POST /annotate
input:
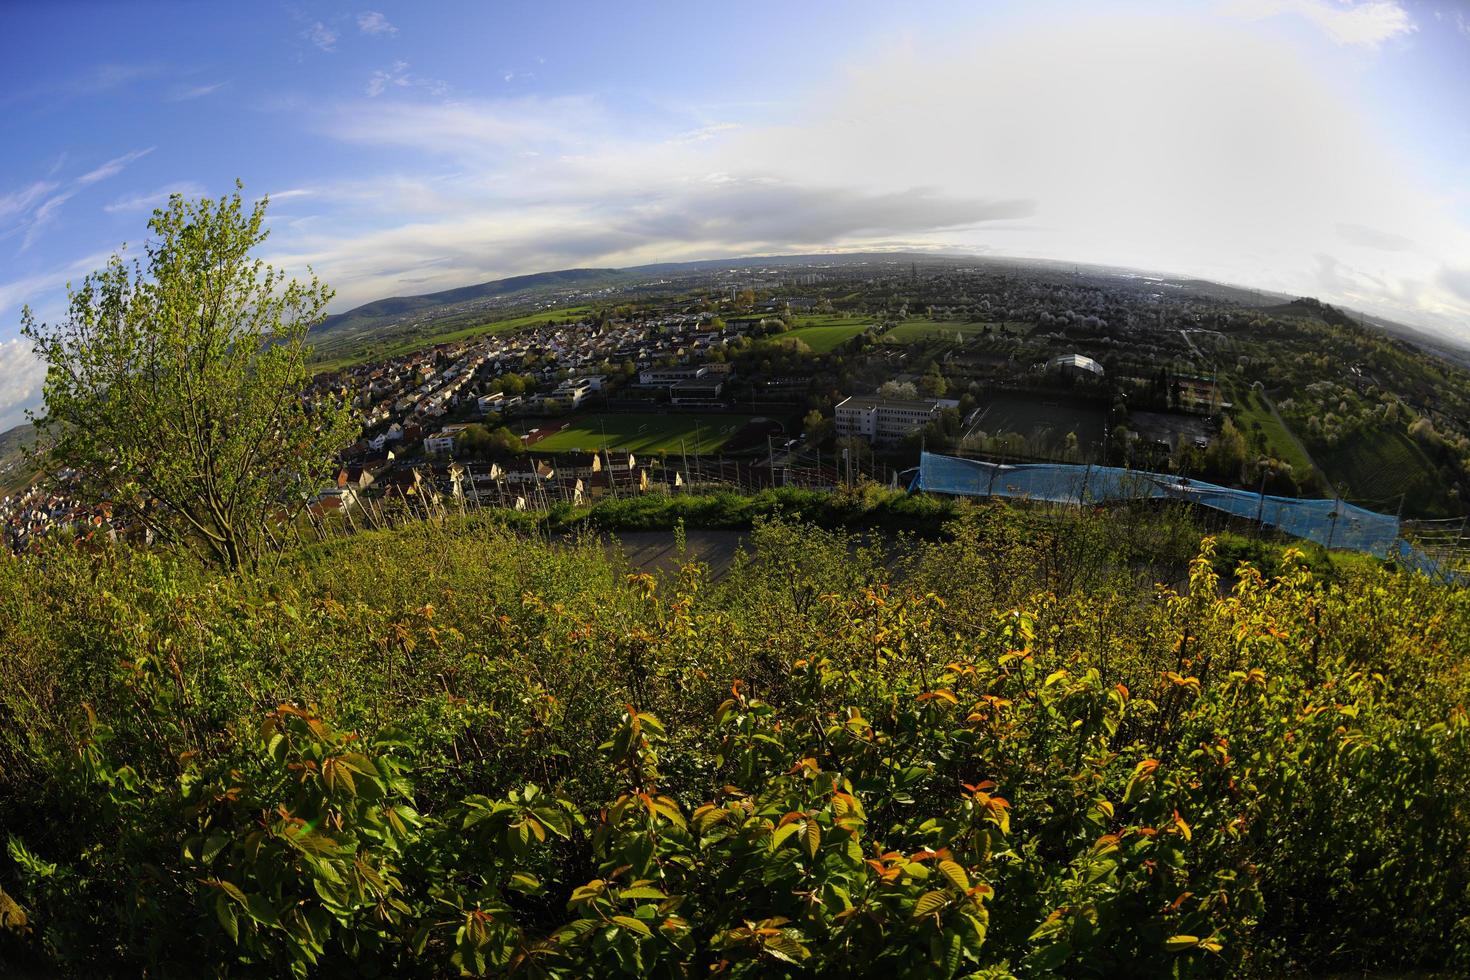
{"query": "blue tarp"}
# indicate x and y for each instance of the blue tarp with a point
(1331, 523)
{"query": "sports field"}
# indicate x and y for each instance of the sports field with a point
(635, 432)
(823, 332)
(917, 331)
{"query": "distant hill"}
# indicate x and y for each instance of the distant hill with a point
(405, 318)
(383, 311)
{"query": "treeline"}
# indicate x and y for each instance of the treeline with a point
(1004, 750)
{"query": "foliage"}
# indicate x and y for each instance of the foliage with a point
(458, 749)
(177, 393)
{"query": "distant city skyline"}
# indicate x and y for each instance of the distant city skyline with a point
(1312, 147)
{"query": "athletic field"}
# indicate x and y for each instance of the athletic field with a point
(637, 432)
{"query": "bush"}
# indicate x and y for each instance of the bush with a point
(461, 749)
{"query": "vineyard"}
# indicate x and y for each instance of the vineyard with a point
(999, 750)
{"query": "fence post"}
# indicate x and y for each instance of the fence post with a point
(1261, 507)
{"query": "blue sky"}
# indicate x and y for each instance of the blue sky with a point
(1312, 146)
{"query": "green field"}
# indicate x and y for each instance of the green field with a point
(396, 344)
(1251, 410)
(917, 331)
(824, 332)
(637, 433)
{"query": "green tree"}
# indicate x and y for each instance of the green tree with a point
(932, 383)
(816, 426)
(177, 388)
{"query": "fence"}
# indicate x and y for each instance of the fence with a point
(1331, 523)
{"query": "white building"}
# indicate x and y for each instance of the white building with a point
(883, 419)
(1075, 364)
(670, 376)
(441, 443)
(572, 392)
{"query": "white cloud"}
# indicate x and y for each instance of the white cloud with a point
(322, 36)
(149, 200)
(372, 22)
(398, 76)
(19, 202)
(190, 92)
(112, 167)
(479, 130)
(1141, 142)
(1366, 24)
(43, 217)
(705, 132)
(21, 375)
(1374, 238)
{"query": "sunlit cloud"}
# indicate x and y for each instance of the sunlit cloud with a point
(1366, 24)
(1141, 166)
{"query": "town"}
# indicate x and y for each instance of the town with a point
(834, 372)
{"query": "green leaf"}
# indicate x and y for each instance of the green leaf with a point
(224, 911)
(212, 847)
(632, 925)
(785, 948)
(1178, 944)
(956, 875)
(929, 903)
(1049, 958)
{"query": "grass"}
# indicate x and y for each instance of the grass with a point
(638, 432)
(418, 341)
(1381, 466)
(825, 332)
(1251, 411)
(916, 331)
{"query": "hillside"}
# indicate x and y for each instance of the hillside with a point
(14, 475)
(459, 748)
(362, 320)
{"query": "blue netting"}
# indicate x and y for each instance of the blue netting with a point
(1332, 523)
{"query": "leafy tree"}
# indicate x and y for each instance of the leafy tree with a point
(932, 383)
(177, 389)
(816, 426)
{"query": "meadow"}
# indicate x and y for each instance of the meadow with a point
(825, 332)
(640, 432)
(1252, 414)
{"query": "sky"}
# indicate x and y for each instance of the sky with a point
(1313, 147)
